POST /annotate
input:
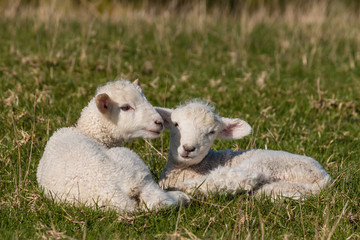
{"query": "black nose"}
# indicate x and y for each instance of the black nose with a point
(157, 122)
(188, 148)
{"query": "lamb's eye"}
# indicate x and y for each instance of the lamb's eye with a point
(126, 107)
(211, 132)
(176, 124)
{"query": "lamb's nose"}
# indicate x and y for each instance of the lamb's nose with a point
(188, 148)
(159, 123)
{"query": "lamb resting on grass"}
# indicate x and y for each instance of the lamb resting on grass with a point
(192, 165)
(85, 164)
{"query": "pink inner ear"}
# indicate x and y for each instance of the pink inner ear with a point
(103, 104)
(165, 121)
(229, 130)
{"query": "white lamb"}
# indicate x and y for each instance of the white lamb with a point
(84, 164)
(192, 165)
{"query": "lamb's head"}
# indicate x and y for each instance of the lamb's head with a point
(120, 111)
(193, 129)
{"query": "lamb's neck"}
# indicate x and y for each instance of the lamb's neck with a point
(93, 125)
(215, 159)
(173, 163)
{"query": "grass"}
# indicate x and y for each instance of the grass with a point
(294, 76)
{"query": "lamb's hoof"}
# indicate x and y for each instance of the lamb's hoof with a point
(170, 199)
(158, 204)
(180, 197)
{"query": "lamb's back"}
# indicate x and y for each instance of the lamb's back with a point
(281, 165)
(69, 156)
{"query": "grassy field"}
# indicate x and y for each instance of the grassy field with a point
(294, 76)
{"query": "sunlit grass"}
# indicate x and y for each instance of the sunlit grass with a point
(294, 76)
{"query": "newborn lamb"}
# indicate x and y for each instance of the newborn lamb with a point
(85, 164)
(192, 165)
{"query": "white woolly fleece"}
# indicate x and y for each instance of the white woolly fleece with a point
(79, 167)
(197, 167)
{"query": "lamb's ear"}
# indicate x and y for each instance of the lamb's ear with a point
(136, 82)
(165, 114)
(104, 103)
(234, 128)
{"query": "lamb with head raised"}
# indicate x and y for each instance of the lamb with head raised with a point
(85, 164)
(193, 166)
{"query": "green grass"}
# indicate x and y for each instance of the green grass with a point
(294, 77)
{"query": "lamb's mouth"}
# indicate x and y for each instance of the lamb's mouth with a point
(154, 132)
(186, 156)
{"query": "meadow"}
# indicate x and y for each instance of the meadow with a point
(293, 75)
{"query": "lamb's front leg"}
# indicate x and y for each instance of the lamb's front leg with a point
(225, 180)
(153, 197)
(129, 173)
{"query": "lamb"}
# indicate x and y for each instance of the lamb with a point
(86, 165)
(193, 166)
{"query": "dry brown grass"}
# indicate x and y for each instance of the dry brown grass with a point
(299, 93)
